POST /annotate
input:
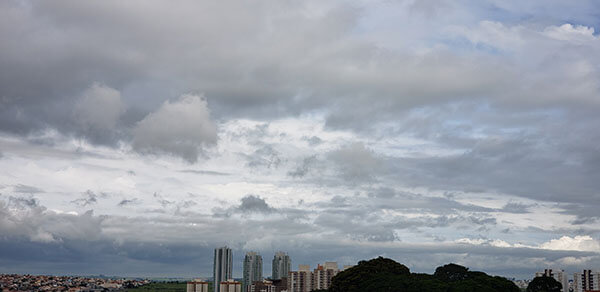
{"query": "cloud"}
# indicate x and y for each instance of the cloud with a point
(182, 128)
(25, 189)
(38, 224)
(88, 198)
(571, 33)
(99, 108)
(254, 204)
(578, 243)
(517, 208)
(355, 162)
(127, 202)
(304, 167)
(266, 156)
(204, 172)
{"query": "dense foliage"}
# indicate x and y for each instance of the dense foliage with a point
(544, 284)
(383, 274)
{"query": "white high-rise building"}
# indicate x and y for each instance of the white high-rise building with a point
(252, 269)
(558, 275)
(281, 266)
(222, 267)
(588, 280)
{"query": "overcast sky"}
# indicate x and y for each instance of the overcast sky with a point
(137, 136)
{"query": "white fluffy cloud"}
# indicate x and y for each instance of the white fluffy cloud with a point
(571, 33)
(180, 128)
(581, 243)
(578, 243)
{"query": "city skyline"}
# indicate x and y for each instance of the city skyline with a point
(136, 136)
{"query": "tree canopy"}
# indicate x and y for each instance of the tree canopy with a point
(544, 284)
(382, 274)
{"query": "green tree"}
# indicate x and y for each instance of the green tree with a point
(451, 273)
(379, 273)
(544, 284)
(383, 274)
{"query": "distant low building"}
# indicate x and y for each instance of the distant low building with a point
(197, 285)
(280, 285)
(230, 286)
(262, 286)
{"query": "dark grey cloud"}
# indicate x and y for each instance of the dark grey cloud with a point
(235, 80)
(37, 224)
(21, 202)
(182, 128)
(500, 165)
(266, 157)
(254, 204)
(88, 198)
(204, 172)
(304, 167)
(313, 140)
(25, 189)
(356, 163)
(387, 198)
(517, 208)
(163, 202)
(128, 202)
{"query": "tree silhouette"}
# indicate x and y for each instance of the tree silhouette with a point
(544, 284)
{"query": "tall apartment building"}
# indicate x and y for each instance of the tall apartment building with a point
(222, 268)
(588, 280)
(322, 275)
(197, 285)
(281, 266)
(301, 280)
(558, 275)
(230, 286)
(252, 269)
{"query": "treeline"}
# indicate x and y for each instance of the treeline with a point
(382, 274)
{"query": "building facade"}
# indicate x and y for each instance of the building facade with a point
(558, 275)
(262, 286)
(301, 280)
(587, 280)
(281, 266)
(252, 269)
(230, 286)
(197, 286)
(322, 275)
(223, 265)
